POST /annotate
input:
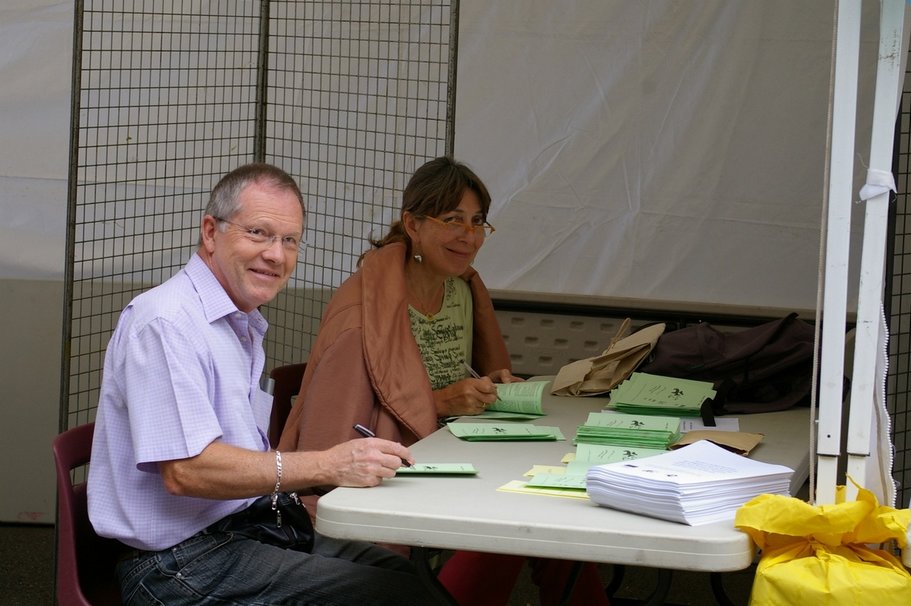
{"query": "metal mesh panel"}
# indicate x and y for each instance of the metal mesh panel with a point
(167, 96)
(359, 96)
(898, 302)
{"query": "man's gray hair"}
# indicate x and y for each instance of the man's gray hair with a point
(224, 201)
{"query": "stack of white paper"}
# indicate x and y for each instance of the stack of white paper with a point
(697, 484)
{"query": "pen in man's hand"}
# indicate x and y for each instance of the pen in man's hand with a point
(365, 432)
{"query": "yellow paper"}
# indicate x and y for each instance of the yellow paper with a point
(824, 554)
(524, 488)
(536, 469)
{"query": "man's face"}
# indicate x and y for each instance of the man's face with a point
(252, 272)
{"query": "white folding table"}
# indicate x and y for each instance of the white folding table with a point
(470, 513)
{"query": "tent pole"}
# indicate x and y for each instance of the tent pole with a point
(838, 232)
(876, 193)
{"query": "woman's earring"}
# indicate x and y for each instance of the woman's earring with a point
(419, 258)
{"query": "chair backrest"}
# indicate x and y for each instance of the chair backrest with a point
(85, 561)
(287, 382)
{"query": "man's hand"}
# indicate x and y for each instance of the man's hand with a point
(364, 461)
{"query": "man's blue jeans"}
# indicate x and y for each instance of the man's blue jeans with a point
(218, 567)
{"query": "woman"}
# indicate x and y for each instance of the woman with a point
(393, 350)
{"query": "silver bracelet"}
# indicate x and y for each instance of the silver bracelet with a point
(278, 486)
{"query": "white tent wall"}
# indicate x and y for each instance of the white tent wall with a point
(36, 39)
(659, 150)
(667, 150)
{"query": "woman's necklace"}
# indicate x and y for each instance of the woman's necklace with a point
(427, 306)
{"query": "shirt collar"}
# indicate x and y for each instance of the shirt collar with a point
(216, 303)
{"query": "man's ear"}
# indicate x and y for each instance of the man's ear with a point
(207, 232)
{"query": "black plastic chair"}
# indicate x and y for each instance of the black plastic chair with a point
(287, 383)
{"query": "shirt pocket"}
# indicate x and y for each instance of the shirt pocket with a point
(262, 411)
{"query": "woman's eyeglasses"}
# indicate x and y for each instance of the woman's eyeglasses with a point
(454, 224)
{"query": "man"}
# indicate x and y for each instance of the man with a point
(181, 469)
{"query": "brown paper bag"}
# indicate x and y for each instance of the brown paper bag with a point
(741, 442)
(598, 375)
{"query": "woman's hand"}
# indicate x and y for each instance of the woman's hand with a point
(504, 376)
(466, 397)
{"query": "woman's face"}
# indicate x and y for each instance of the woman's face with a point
(445, 245)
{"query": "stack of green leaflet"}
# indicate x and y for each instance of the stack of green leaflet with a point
(621, 429)
(478, 432)
(599, 454)
(649, 394)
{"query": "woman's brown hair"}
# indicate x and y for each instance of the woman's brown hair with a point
(435, 188)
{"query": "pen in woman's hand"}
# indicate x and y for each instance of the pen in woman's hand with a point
(471, 370)
(475, 374)
(365, 432)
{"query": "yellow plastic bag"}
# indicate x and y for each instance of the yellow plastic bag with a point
(823, 554)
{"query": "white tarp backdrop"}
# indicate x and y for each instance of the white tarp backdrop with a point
(657, 150)
(666, 149)
(654, 149)
(36, 46)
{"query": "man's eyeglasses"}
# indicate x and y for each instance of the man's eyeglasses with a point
(266, 239)
(454, 224)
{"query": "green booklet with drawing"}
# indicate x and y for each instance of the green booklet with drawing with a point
(599, 454)
(504, 432)
(438, 469)
(643, 393)
(520, 400)
(565, 481)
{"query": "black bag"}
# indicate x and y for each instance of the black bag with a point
(287, 526)
(760, 369)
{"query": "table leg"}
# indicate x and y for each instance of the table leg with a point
(571, 583)
(421, 560)
(616, 580)
(662, 587)
(718, 590)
